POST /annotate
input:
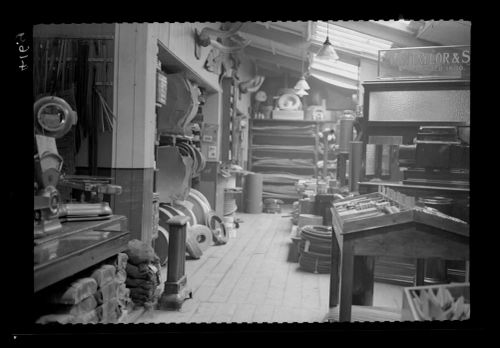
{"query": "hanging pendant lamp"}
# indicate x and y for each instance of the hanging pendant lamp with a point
(301, 92)
(326, 52)
(302, 83)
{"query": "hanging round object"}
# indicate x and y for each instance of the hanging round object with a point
(164, 216)
(261, 96)
(199, 160)
(200, 209)
(53, 116)
(173, 211)
(185, 207)
(218, 229)
(188, 151)
(202, 235)
(289, 101)
(161, 245)
(201, 196)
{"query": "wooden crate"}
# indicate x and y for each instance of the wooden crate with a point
(364, 223)
(409, 313)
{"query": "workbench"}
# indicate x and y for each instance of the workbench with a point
(77, 247)
(410, 233)
(400, 271)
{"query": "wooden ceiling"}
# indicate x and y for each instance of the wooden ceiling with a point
(280, 47)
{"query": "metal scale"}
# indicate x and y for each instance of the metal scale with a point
(53, 118)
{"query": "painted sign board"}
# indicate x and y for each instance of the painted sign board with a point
(433, 62)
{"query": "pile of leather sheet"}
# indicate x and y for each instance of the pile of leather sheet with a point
(282, 161)
(290, 130)
(288, 190)
(298, 148)
(281, 185)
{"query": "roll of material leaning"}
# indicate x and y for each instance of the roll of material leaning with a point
(202, 235)
(200, 209)
(309, 219)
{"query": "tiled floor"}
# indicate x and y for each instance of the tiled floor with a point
(250, 280)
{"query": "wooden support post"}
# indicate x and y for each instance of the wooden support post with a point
(176, 290)
(346, 282)
(420, 272)
(363, 280)
(335, 272)
(467, 271)
(342, 168)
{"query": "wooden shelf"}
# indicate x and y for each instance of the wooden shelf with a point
(287, 137)
(257, 134)
(292, 121)
(283, 166)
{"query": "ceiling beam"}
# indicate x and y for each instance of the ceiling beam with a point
(292, 27)
(264, 55)
(276, 35)
(400, 38)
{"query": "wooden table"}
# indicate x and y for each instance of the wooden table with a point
(411, 234)
(400, 271)
(78, 246)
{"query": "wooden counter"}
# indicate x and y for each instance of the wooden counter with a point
(78, 246)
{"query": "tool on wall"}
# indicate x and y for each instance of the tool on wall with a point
(223, 57)
(203, 39)
(251, 85)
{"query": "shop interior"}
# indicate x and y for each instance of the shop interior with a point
(258, 172)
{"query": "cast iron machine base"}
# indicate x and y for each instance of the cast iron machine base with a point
(175, 291)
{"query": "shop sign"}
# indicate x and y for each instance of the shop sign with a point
(452, 62)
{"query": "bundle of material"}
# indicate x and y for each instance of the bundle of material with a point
(282, 161)
(108, 310)
(290, 130)
(315, 248)
(296, 148)
(272, 206)
(123, 293)
(72, 304)
(143, 273)
(285, 190)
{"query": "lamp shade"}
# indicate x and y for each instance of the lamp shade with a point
(302, 84)
(326, 52)
(301, 92)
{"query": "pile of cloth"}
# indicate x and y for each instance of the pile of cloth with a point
(72, 303)
(143, 273)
